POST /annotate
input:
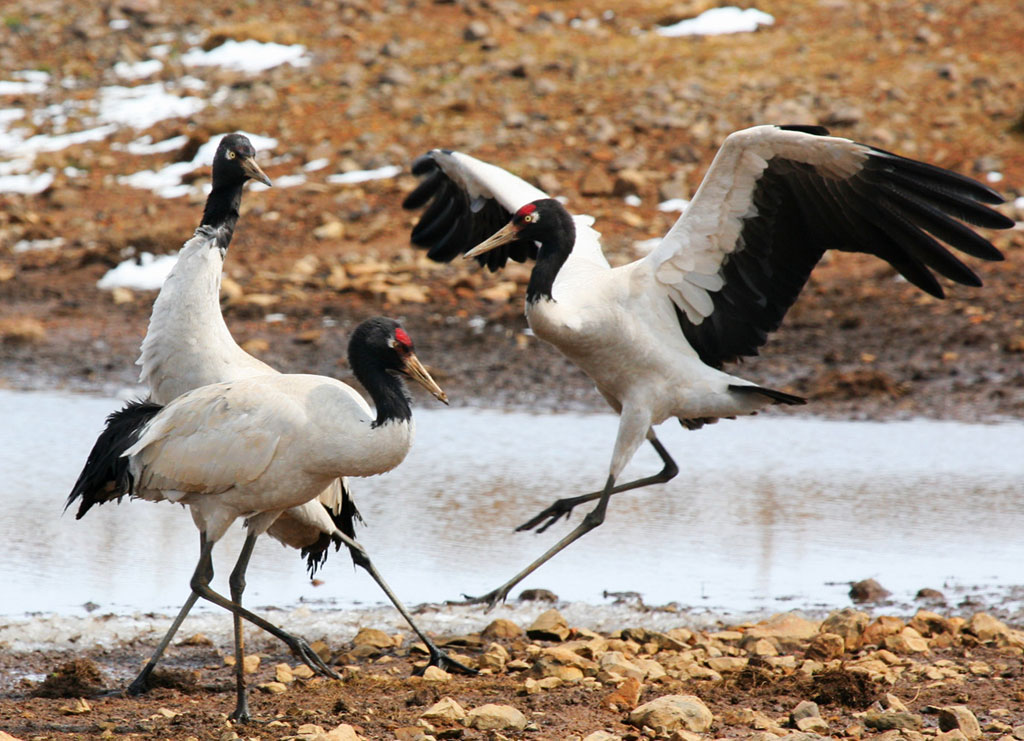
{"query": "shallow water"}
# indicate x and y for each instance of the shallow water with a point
(768, 513)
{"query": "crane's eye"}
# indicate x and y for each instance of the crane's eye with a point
(530, 218)
(231, 154)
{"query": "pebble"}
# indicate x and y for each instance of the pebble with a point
(445, 710)
(673, 712)
(549, 626)
(501, 628)
(959, 718)
(868, 590)
(492, 717)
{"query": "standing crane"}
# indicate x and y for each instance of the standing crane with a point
(253, 448)
(655, 335)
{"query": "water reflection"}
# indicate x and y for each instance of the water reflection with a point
(765, 512)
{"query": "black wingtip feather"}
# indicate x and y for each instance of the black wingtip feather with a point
(316, 554)
(105, 475)
(806, 129)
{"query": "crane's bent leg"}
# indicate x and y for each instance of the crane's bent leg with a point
(593, 518)
(437, 656)
(236, 582)
(141, 683)
(201, 585)
(563, 507)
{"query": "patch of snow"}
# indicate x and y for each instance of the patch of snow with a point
(248, 56)
(119, 24)
(21, 87)
(74, 172)
(283, 181)
(673, 204)
(145, 145)
(994, 177)
(312, 165)
(138, 70)
(632, 200)
(1018, 202)
(148, 273)
(28, 245)
(274, 318)
(361, 176)
(26, 183)
(144, 105)
(160, 50)
(717, 21)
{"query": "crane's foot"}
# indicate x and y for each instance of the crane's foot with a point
(241, 713)
(442, 660)
(492, 599)
(138, 686)
(558, 510)
(310, 657)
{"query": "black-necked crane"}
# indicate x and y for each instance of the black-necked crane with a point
(188, 345)
(655, 334)
(253, 448)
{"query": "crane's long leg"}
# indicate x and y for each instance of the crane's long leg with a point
(437, 656)
(563, 507)
(592, 519)
(201, 585)
(237, 584)
(141, 683)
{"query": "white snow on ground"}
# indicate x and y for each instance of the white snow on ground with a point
(27, 183)
(144, 105)
(138, 70)
(147, 273)
(312, 165)
(166, 181)
(145, 145)
(673, 204)
(361, 176)
(248, 56)
(717, 21)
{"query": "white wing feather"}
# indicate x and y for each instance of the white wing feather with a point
(481, 180)
(687, 262)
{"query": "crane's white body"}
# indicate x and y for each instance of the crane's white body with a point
(188, 345)
(256, 447)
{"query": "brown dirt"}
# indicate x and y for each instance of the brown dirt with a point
(551, 101)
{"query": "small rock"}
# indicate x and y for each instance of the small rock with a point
(196, 639)
(597, 182)
(549, 626)
(985, 627)
(436, 674)
(959, 717)
(333, 230)
(804, 709)
(791, 631)
(273, 688)
(445, 710)
(22, 330)
(476, 31)
(538, 595)
(826, 646)
(868, 590)
(883, 626)
(930, 595)
(283, 673)
(501, 628)
(625, 697)
(602, 736)
(491, 717)
(889, 721)
(616, 664)
(671, 713)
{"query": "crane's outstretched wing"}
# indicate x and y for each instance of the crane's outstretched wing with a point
(469, 201)
(212, 439)
(776, 198)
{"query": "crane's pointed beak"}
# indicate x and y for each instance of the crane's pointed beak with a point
(415, 370)
(504, 235)
(250, 168)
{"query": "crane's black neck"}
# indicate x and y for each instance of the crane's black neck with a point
(385, 387)
(221, 211)
(556, 241)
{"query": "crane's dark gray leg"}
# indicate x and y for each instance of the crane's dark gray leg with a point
(592, 519)
(563, 507)
(236, 582)
(438, 657)
(141, 683)
(201, 585)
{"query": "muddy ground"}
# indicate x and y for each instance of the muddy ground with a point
(582, 103)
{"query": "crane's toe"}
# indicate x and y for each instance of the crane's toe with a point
(558, 510)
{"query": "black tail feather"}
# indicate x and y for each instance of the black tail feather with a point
(316, 554)
(105, 475)
(779, 397)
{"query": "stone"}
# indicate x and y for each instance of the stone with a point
(671, 713)
(492, 717)
(985, 627)
(597, 182)
(883, 626)
(727, 664)
(868, 590)
(436, 674)
(273, 688)
(906, 642)
(888, 721)
(826, 646)
(283, 674)
(929, 623)
(625, 697)
(549, 626)
(445, 710)
(373, 637)
(501, 628)
(789, 629)
(344, 732)
(21, 330)
(959, 717)
(616, 663)
(494, 658)
(537, 595)
(849, 624)
(476, 31)
(595, 736)
(804, 709)
(332, 230)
